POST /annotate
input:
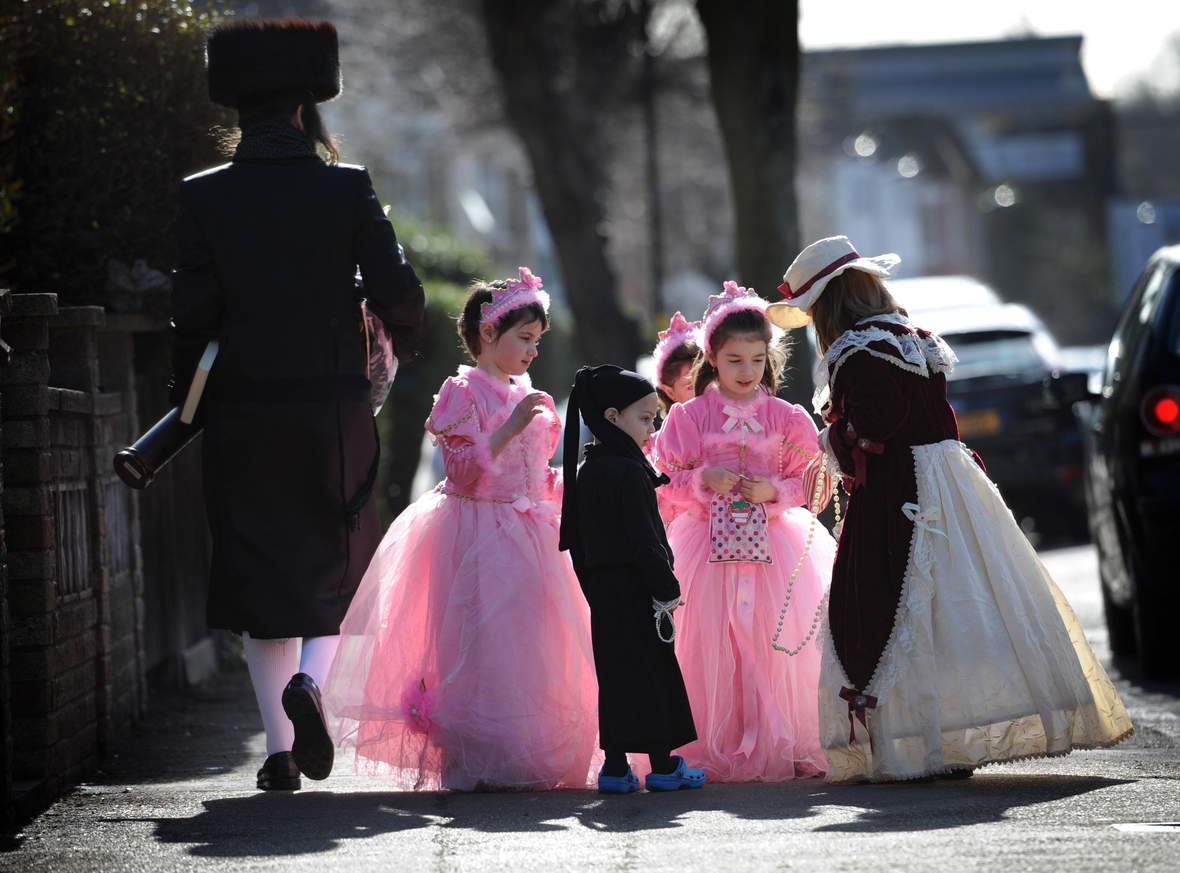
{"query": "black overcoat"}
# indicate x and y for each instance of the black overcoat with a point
(268, 252)
(625, 562)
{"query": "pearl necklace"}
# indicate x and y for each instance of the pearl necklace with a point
(815, 500)
(663, 609)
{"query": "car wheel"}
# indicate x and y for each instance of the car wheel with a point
(1154, 633)
(1120, 625)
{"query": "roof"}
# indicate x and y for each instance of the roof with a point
(942, 292)
(953, 78)
(980, 319)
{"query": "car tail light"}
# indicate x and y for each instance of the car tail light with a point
(1161, 410)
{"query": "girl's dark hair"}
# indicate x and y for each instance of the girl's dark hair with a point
(682, 356)
(479, 293)
(848, 298)
(742, 324)
(281, 106)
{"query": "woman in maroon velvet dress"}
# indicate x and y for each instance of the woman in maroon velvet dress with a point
(946, 644)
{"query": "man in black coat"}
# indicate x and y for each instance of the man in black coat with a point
(269, 246)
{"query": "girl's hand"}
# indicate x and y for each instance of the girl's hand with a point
(669, 605)
(529, 408)
(759, 490)
(719, 479)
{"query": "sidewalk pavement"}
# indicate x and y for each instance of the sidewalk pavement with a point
(180, 795)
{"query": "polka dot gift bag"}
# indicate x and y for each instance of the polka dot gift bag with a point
(738, 530)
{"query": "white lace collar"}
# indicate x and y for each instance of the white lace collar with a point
(922, 355)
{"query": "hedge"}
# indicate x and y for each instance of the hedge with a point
(106, 110)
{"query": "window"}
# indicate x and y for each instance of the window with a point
(1172, 299)
(994, 353)
(1131, 325)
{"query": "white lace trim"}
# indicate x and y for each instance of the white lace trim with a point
(917, 588)
(987, 762)
(919, 355)
(825, 444)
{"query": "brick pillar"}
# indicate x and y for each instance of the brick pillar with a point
(82, 623)
(28, 516)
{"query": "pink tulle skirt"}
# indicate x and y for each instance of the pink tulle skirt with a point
(465, 659)
(756, 709)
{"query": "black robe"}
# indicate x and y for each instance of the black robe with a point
(626, 561)
(268, 251)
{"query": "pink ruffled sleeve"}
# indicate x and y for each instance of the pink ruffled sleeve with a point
(455, 424)
(678, 453)
(797, 446)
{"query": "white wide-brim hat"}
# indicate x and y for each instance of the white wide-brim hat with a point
(811, 271)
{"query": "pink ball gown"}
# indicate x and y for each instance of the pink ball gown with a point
(465, 658)
(756, 712)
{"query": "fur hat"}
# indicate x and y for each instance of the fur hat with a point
(254, 57)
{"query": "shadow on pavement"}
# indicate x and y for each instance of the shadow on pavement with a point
(870, 808)
(196, 733)
(1127, 667)
(319, 821)
(300, 823)
(950, 805)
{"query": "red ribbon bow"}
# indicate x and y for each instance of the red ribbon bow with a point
(857, 705)
(860, 445)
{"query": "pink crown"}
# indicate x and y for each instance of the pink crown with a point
(679, 332)
(730, 300)
(519, 293)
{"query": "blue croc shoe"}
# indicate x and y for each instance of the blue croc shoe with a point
(683, 776)
(618, 784)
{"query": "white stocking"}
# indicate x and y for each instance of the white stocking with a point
(272, 663)
(318, 653)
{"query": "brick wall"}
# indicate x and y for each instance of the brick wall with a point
(101, 587)
(75, 593)
(28, 522)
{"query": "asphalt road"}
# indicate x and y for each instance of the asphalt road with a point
(180, 796)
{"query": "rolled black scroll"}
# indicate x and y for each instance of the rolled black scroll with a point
(137, 465)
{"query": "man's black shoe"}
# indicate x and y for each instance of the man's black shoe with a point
(313, 750)
(279, 773)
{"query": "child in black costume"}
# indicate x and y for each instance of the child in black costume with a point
(612, 528)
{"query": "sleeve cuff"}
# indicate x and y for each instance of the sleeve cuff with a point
(790, 495)
(701, 491)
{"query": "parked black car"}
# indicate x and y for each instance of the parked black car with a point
(1033, 451)
(1132, 469)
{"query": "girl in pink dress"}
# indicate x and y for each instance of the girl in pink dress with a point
(465, 659)
(736, 456)
(673, 357)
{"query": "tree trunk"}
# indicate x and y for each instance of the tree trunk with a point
(542, 52)
(754, 71)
